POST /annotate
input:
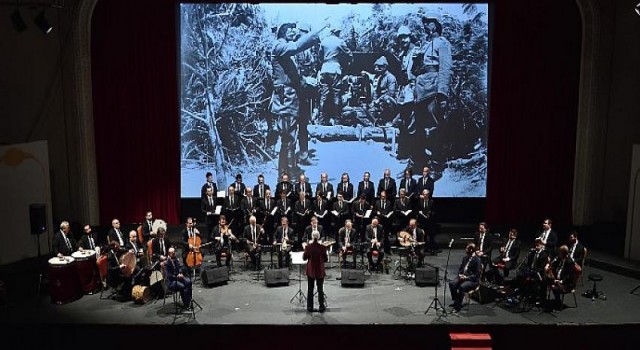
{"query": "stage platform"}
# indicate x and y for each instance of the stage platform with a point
(387, 302)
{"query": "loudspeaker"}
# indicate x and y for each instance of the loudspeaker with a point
(213, 275)
(37, 218)
(276, 277)
(352, 278)
(486, 294)
(427, 276)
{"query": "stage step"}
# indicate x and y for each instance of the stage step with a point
(470, 341)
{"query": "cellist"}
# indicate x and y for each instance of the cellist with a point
(192, 241)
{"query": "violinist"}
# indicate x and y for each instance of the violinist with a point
(254, 235)
(192, 241)
(223, 235)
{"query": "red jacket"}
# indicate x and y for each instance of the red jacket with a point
(316, 255)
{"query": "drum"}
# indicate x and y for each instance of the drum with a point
(140, 294)
(63, 280)
(87, 270)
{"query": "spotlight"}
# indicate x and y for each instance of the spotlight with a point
(42, 23)
(638, 8)
(18, 22)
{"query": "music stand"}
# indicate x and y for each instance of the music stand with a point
(296, 259)
(193, 278)
(361, 251)
(401, 251)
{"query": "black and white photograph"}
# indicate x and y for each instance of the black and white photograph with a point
(334, 88)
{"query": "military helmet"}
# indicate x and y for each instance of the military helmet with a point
(282, 30)
(382, 61)
(432, 16)
(404, 30)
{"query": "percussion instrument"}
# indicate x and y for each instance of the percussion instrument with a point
(140, 294)
(156, 276)
(63, 280)
(156, 225)
(128, 259)
(87, 270)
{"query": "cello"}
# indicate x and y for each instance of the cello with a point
(194, 256)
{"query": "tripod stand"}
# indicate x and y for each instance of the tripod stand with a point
(193, 303)
(299, 294)
(435, 303)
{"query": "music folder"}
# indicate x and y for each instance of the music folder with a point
(322, 215)
(367, 214)
(389, 214)
(296, 258)
(273, 212)
(335, 212)
(350, 200)
(221, 194)
(406, 212)
(218, 210)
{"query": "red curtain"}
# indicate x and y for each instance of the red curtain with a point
(535, 62)
(135, 99)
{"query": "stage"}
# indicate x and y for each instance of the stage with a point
(387, 304)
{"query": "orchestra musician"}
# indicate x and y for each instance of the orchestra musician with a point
(424, 215)
(147, 226)
(208, 208)
(284, 186)
(249, 205)
(189, 237)
(325, 187)
(313, 227)
(266, 207)
(303, 186)
(365, 187)
(232, 208)
(417, 240)
(383, 208)
(63, 242)
(320, 208)
(530, 275)
(484, 244)
(89, 240)
(284, 207)
(177, 279)
(408, 183)
(316, 255)
(549, 237)
(508, 257)
(116, 277)
(239, 186)
(467, 279)
(341, 208)
(284, 238)
(375, 235)
(576, 250)
(347, 237)
(561, 275)
(136, 248)
(115, 234)
(160, 245)
(402, 209)
(254, 236)
(224, 236)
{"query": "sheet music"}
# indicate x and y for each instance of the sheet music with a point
(296, 258)
(334, 212)
(273, 212)
(350, 200)
(322, 215)
(389, 215)
(218, 209)
(367, 214)
(328, 195)
(406, 212)
(221, 194)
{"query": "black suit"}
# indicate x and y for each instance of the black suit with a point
(233, 211)
(577, 252)
(359, 211)
(304, 187)
(382, 209)
(286, 187)
(61, 246)
(85, 242)
(240, 189)
(400, 206)
(531, 274)
(551, 242)
(388, 186)
(342, 208)
(409, 186)
(248, 234)
(208, 208)
(268, 221)
(115, 278)
(470, 268)
(564, 273)
(156, 247)
(353, 239)
(309, 229)
(379, 235)
(348, 193)
(424, 213)
(138, 250)
(248, 206)
(113, 236)
(425, 184)
(203, 191)
(256, 191)
(369, 192)
(418, 235)
(325, 189)
(147, 228)
(283, 255)
(508, 257)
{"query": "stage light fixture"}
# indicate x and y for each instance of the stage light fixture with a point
(638, 8)
(18, 21)
(42, 23)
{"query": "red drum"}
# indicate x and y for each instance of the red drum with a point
(87, 270)
(63, 280)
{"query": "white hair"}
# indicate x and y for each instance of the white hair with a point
(64, 224)
(315, 235)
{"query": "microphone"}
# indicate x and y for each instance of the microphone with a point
(451, 242)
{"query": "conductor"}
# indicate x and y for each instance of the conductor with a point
(316, 255)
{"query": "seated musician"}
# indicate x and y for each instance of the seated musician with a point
(63, 242)
(177, 279)
(223, 235)
(313, 226)
(160, 245)
(484, 244)
(576, 249)
(347, 238)
(133, 246)
(468, 277)
(508, 258)
(375, 236)
(530, 276)
(254, 236)
(561, 275)
(89, 241)
(116, 277)
(417, 240)
(285, 238)
(190, 235)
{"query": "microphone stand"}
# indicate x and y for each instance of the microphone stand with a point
(193, 278)
(435, 303)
